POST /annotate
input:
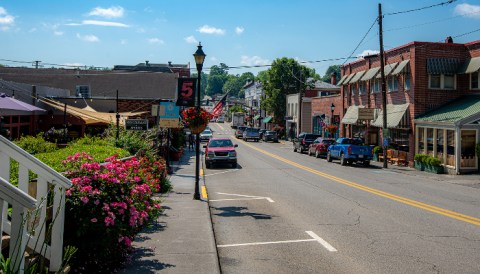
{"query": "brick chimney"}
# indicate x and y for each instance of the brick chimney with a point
(449, 40)
(333, 79)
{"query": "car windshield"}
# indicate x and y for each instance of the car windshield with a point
(220, 143)
(250, 129)
(310, 136)
(206, 132)
(328, 142)
(270, 133)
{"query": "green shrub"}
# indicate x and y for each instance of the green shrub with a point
(420, 158)
(35, 144)
(434, 161)
(377, 149)
(178, 138)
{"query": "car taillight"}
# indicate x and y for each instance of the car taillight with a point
(349, 149)
(303, 142)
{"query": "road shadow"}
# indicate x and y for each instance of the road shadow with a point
(240, 211)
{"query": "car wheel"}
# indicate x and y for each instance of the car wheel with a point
(294, 149)
(329, 157)
(343, 161)
(234, 165)
(208, 165)
(317, 154)
(309, 153)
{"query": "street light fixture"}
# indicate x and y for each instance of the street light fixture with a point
(332, 108)
(199, 56)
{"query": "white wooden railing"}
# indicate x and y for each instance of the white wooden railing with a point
(32, 214)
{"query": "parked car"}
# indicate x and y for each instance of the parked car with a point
(270, 135)
(206, 135)
(220, 151)
(350, 150)
(303, 141)
(239, 131)
(319, 147)
(251, 133)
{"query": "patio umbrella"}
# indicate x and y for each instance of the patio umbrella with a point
(12, 106)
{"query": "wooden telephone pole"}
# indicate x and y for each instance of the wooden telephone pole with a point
(384, 89)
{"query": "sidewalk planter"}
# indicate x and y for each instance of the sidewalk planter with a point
(419, 166)
(377, 150)
(434, 169)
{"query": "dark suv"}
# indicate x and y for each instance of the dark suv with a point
(303, 141)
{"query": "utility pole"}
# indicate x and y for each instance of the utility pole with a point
(300, 95)
(36, 64)
(384, 89)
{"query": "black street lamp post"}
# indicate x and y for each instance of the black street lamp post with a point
(199, 59)
(332, 108)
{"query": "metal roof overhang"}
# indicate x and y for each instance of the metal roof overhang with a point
(349, 77)
(387, 69)
(351, 116)
(394, 115)
(472, 65)
(400, 67)
(370, 74)
(342, 80)
(357, 77)
(443, 66)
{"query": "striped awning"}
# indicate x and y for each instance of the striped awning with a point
(351, 116)
(350, 76)
(370, 74)
(395, 114)
(387, 69)
(401, 67)
(342, 80)
(472, 65)
(443, 66)
(357, 77)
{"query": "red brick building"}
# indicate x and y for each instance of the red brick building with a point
(421, 77)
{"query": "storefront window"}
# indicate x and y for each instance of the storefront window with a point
(421, 144)
(451, 147)
(430, 141)
(399, 139)
(468, 148)
(440, 144)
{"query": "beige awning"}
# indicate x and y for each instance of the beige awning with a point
(350, 76)
(357, 77)
(370, 74)
(351, 116)
(472, 65)
(342, 80)
(387, 69)
(400, 67)
(89, 115)
(394, 115)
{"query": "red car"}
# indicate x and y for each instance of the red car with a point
(220, 151)
(319, 147)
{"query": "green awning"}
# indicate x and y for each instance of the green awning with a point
(267, 119)
(256, 117)
(456, 112)
(472, 65)
(394, 115)
(443, 66)
(370, 74)
(400, 67)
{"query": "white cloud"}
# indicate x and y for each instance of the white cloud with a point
(74, 64)
(239, 30)
(58, 33)
(156, 41)
(6, 20)
(112, 12)
(32, 30)
(368, 52)
(467, 10)
(191, 39)
(88, 38)
(210, 30)
(104, 23)
(253, 61)
(214, 59)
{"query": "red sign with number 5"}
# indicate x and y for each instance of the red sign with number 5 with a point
(186, 92)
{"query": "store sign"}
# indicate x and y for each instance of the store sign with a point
(136, 124)
(186, 92)
(366, 113)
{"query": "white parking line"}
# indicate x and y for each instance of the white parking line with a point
(315, 237)
(246, 197)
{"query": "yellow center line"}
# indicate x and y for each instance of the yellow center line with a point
(400, 199)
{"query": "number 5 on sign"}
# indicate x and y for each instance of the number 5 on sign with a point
(186, 92)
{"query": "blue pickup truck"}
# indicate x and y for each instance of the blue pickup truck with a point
(350, 150)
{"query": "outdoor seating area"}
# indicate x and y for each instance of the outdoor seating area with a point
(396, 157)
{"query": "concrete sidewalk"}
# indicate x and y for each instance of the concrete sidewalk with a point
(182, 239)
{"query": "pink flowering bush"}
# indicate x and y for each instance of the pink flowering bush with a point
(107, 206)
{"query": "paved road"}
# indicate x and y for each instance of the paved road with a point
(285, 212)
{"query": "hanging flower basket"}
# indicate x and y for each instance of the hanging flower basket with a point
(332, 129)
(196, 119)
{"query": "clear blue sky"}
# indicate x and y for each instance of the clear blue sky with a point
(234, 32)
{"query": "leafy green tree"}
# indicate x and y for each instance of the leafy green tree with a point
(262, 76)
(217, 78)
(285, 76)
(203, 83)
(328, 74)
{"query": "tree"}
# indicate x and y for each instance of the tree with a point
(203, 83)
(328, 74)
(217, 78)
(286, 76)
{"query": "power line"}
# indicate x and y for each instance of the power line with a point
(419, 9)
(361, 41)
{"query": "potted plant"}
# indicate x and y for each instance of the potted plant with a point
(376, 151)
(433, 165)
(331, 129)
(196, 119)
(419, 161)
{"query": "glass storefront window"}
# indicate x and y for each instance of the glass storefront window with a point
(451, 147)
(468, 148)
(421, 144)
(430, 141)
(440, 144)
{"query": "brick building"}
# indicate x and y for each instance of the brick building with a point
(421, 78)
